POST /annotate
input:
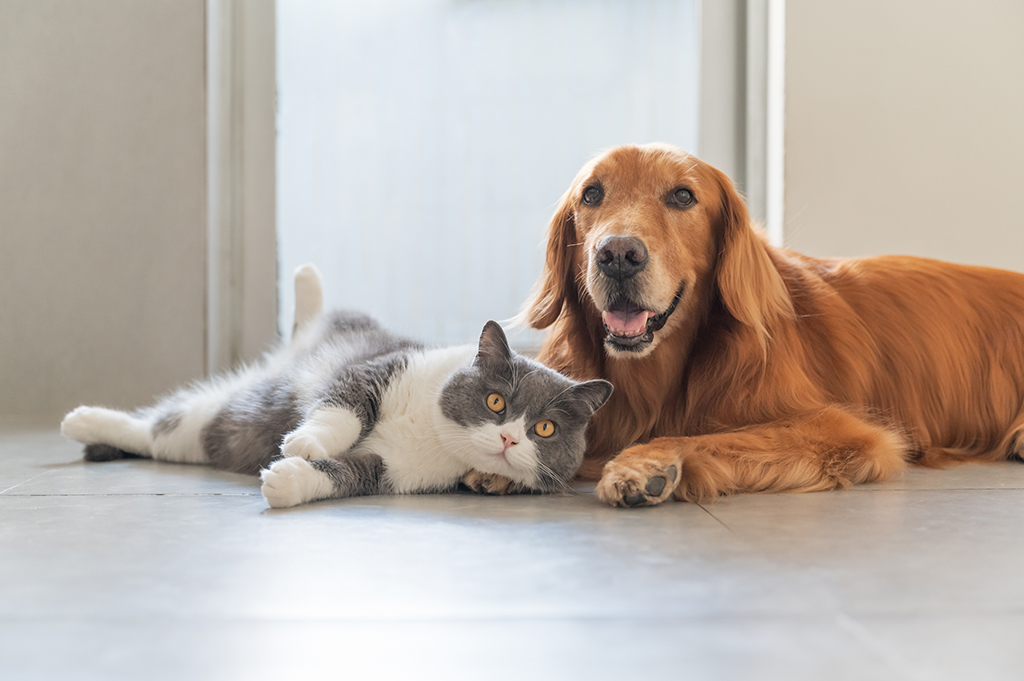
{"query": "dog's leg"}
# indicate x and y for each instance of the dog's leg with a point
(827, 449)
(491, 483)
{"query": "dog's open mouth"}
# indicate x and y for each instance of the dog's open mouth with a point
(631, 327)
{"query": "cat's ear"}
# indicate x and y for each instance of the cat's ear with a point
(593, 393)
(493, 354)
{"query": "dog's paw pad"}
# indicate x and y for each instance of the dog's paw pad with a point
(655, 486)
(636, 483)
(634, 499)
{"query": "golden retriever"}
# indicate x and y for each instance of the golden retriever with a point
(742, 367)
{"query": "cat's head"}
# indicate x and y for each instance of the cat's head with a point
(512, 416)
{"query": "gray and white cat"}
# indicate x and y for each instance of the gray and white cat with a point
(349, 409)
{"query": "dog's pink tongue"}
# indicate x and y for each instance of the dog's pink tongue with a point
(623, 323)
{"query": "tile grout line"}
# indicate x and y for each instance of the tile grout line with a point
(132, 494)
(856, 488)
(23, 482)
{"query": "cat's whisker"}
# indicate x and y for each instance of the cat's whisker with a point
(561, 483)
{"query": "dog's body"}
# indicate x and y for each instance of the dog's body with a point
(740, 367)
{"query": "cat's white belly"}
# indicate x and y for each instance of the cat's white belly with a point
(405, 436)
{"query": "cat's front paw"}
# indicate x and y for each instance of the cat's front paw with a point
(292, 481)
(303, 445)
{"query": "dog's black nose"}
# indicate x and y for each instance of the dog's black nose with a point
(620, 257)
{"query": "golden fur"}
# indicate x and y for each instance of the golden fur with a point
(777, 371)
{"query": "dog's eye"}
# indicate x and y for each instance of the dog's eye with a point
(592, 195)
(681, 198)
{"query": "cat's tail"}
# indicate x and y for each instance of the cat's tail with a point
(309, 296)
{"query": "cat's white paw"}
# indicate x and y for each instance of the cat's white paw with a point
(292, 481)
(303, 445)
(86, 424)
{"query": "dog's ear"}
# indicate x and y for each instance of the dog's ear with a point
(556, 286)
(751, 287)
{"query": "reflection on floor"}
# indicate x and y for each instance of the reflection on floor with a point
(140, 570)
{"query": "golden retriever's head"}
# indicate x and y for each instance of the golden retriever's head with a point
(647, 234)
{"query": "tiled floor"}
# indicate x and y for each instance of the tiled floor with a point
(141, 570)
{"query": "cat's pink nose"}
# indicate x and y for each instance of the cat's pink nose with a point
(508, 440)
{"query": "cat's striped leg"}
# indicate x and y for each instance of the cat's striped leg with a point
(106, 432)
(293, 481)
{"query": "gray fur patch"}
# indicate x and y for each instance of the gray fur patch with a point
(246, 433)
(376, 357)
(365, 337)
(361, 387)
(354, 475)
(167, 423)
(343, 322)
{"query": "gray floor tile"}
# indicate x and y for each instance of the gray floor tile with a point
(25, 454)
(897, 552)
(49, 464)
(1002, 475)
(134, 476)
(982, 646)
(382, 558)
(557, 649)
(136, 569)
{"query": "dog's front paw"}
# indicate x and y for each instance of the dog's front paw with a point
(303, 445)
(491, 483)
(638, 477)
(290, 482)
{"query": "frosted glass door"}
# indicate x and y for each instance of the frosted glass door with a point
(422, 145)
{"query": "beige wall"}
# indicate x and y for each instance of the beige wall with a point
(102, 201)
(905, 129)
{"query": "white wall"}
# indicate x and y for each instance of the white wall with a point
(905, 129)
(102, 201)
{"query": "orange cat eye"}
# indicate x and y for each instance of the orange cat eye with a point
(496, 403)
(544, 429)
